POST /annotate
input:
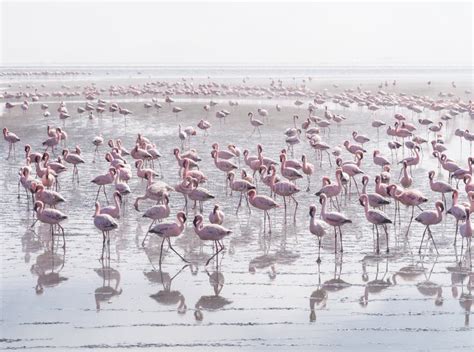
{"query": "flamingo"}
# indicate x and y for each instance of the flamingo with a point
(375, 200)
(113, 211)
(216, 216)
(316, 228)
(241, 186)
(211, 232)
(334, 219)
(103, 180)
(264, 203)
(168, 230)
(376, 218)
(429, 218)
(75, 160)
(458, 212)
(466, 233)
(11, 138)
(439, 186)
(255, 123)
(308, 170)
(50, 216)
(284, 189)
(105, 223)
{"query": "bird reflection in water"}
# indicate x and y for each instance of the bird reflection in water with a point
(429, 288)
(30, 243)
(213, 302)
(167, 296)
(465, 300)
(336, 284)
(108, 274)
(318, 298)
(48, 267)
(376, 285)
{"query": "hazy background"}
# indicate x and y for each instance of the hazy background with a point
(332, 33)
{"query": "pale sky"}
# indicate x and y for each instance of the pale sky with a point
(334, 33)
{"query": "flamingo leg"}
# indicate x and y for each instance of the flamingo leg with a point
(161, 250)
(386, 237)
(377, 232)
(422, 238)
(340, 238)
(432, 239)
(179, 255)
(411, 220)
(319, 250)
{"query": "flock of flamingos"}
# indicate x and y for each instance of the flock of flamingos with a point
(262, 183)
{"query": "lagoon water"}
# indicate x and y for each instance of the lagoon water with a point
(268, 292)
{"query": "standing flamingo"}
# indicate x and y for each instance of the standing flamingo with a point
(376, 218)
(333, 219)
(317, 228)
(264, 203)
(168, 230)
(211, 232)
(11, 138)
(429, 218)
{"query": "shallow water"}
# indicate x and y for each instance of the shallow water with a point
(259, 297)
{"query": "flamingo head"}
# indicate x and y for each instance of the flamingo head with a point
(251, 193)
(354, 134)
(363, 200)
(197, 220)
(431, 174)
(5, 131)
(322, 198)
(440, 206)
(346, 143)
(312, 210)
(214, 154)
(338, 161)
(176, 151)
(27, 148)
(181, 216)
(365, 179)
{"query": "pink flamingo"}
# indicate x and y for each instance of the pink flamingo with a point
(241, 186)
(75, 160)
(429, 218)
(51, 217)
(439, 186)
(316, 228)
(264, 203)
(332, 190)
(466, 233)
(458, 212)
(157, 213)
(333, 219)
(376, 218)
(410, 198)
(103, 180)
(170, 229)
(308, 170)
(284, 189)
(11, 138)
(211, 232)
(113, 210)
(105, 223)
(216, 216)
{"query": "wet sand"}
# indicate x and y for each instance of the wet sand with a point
(266, 292)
